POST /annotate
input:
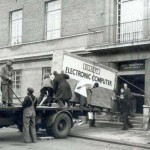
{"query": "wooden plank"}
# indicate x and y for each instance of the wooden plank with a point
(46, 138)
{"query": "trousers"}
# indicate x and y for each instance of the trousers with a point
(126, 122)
(7, 94)
(29, 131)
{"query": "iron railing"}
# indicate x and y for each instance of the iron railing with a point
(120, 33)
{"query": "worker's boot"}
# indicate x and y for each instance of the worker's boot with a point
(125, 127)
(5, 104)
(92, 123)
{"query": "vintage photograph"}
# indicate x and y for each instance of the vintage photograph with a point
(74, 74)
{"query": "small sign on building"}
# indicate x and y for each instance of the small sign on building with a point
(132, 66)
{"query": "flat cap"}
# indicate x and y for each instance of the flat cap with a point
(30, 90)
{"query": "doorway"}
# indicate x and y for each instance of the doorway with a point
(139, 81)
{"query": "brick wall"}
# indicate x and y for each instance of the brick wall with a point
(80, 15)
(33, 19)
(77, 17)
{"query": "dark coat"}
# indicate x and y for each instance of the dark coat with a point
(6, 72)
(124, 105)
(61, 87)
(27, 101)
(128, 95)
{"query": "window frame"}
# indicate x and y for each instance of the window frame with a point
(46, 7)
(15, 82)
(10, 27)
(45, 73)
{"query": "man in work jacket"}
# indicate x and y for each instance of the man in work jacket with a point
(7, 83)
(46, 90)
(29, 114)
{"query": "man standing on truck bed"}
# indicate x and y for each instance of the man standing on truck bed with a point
(62, 89)
(7, 83)
(46, 91)
(29, 114)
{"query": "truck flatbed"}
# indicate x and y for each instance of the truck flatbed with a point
(47, 108)
(57, 121)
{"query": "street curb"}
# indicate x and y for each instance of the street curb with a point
(110, 141)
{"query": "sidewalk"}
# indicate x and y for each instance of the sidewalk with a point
(114, 135)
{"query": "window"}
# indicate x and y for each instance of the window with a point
(17, 82)
(16, 27)
(46, 71)
(130, 23)
(53, 19)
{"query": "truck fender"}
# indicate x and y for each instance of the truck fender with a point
(51, 119)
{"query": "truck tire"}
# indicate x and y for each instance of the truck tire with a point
(61, 126)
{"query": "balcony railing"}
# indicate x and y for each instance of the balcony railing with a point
(120, 33)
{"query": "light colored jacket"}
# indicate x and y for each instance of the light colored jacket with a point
(47, 83)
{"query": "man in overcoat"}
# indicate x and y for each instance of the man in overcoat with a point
(124, 109)
(62, 89)
(7, 83)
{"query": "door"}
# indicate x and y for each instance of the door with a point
(135, 83)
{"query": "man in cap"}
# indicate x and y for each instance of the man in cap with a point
(7, 83)
(29, 115)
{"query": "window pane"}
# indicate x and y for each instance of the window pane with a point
(57, 19)
(14, 15)
(14, 41)
(130, 28)
(46, 71)
(17, 82)
(49, 35)
(19, 14)
(51, 6)
(50, 21)
(19, 28)
(19, 40)
(56, 33)
(53, 19)
(16, 27)
(57, 4)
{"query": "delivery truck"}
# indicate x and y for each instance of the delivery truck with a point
(57, 121)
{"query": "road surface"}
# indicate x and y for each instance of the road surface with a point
(11, 139)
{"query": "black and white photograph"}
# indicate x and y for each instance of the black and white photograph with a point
(74, 74)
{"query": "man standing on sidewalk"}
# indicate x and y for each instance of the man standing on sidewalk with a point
(7, 83)
(129, 99)
(124, 109)
(29, 115)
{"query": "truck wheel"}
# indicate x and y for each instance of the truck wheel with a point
(61, 127)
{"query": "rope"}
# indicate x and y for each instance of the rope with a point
(12, 91)
(131, 84)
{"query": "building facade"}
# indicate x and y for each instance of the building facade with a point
(112, 32)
